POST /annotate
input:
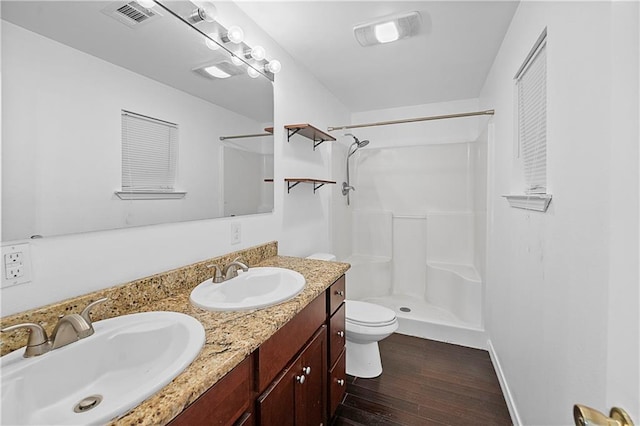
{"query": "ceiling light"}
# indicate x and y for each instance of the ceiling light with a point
(388, 29)
(205, 11)
(274, 66)
(252, 72)
(218, 70)
(234, 35)
(147, 4)
(258, 53)
(387, 32)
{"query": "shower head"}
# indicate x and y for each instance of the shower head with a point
(356, 144)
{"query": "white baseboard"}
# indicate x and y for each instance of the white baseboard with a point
(511, 405)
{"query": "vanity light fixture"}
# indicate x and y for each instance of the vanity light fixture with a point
(236, 61)
(210, 43)
(252, 72)
(205, 11)
(273, 66)
(234, 35)
(258, 53)
(388, 29)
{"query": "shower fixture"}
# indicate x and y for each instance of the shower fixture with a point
(356, 145)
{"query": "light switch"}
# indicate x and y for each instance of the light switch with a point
(236, 236)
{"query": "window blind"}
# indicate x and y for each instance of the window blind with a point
(532, 120)
(149, 153)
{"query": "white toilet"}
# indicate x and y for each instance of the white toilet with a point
(366, 325)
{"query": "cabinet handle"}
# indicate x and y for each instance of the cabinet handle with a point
(340, 382)
(341, 333)
(340, 292)
(306, 370)
(300, 379)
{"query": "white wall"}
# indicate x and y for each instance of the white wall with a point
(70, 265)
(562, 287)
(65, 169)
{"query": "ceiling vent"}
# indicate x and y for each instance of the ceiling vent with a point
(131, 14)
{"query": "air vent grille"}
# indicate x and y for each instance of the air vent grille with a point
(131, 14)
(131, 11)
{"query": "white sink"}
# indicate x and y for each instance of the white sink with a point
(254, 289)
(126, 360)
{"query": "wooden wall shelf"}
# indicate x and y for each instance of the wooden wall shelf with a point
(317, 183)
(309, 132)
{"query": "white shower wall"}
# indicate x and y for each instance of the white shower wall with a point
(419, 234)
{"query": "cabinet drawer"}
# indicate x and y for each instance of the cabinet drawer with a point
(336, 294)
(337, 384)
(336, 334)
(279, 349)
(225, 402)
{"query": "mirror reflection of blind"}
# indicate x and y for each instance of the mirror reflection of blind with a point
(532, 120)
(149, 153)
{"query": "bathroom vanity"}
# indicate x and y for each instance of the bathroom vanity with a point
(296, 377)
(280, 364)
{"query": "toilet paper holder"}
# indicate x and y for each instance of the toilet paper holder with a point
(587, 416)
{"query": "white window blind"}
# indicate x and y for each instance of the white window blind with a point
(531, 83)
(149, 153)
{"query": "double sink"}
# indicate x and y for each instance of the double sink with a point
(128, 358)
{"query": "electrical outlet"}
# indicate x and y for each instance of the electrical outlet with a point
(17, 264)
(14, 272)
(13, 258)
(236, 236)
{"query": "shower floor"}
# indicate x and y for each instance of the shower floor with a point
(419, 309)
(431, 322)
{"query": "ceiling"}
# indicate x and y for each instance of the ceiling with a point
(448, 60)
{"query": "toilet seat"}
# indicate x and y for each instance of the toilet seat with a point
(368, 314)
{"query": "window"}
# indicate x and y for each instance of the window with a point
(531, 82)
(149, 157)
(531, 105)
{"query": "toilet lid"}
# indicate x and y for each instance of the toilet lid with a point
(368, 313)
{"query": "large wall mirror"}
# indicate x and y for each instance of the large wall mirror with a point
(71, 72)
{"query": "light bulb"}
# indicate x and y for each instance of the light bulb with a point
(147, 4)
(210, 43)
(252, 73)
(386, 32)
(205, 11)
(236, 61)
(234, 35)
(258, 53)
(274, 66)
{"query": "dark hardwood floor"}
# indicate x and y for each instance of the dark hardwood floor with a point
(425, 382)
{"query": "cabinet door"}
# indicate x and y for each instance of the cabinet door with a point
(225, 402)
(276, 406)
(337, 384)
(311, 395)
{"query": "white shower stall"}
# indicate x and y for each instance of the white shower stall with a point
(419, 235)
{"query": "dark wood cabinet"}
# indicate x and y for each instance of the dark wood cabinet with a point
(298, 374)
(298, 395)
(336, 314)
(226, 403)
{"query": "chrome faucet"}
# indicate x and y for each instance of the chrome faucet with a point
(231, 270)
(217, 274)
(69, 329)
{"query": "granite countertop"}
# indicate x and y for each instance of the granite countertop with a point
(230, 338)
